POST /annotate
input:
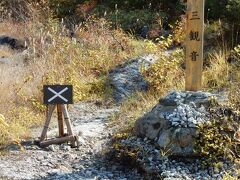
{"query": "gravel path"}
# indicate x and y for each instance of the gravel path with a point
(62, 162)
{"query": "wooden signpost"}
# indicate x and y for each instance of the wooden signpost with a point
(56, 97)
(194, 44)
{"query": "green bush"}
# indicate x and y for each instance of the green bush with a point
(217, 139)
(215, 9)
(233, 11)
(64, 8)
(134, 20)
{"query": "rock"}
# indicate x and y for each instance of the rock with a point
(128, 79)
(174, 120)
(15, 44)
(192, 125)
(97, 178)
(215, 175)
(65, 147)
(144, 32)
(216, 170)
(166, 174)
(54, 172)
(88, 173)
(150, 124)
(110, 175)
(81, 140)
(179, 168)
(52, 148)
(163, 167)
(191, 119)
(183, 137)
(15, 147)
(177, 123)
(164, 139)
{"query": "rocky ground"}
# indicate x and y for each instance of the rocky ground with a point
(61, 161)
(169, 132)
(158, 164)
(90, 121)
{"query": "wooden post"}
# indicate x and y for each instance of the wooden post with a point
(60, 121)
(194, 44)
(47, 122)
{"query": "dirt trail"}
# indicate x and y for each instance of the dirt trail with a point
(89, 120)
(62, 162)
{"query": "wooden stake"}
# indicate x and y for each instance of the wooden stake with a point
(68, 123)
(47, 122)
(194, 44)
(60, 121)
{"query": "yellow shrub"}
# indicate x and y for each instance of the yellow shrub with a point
(167, 72)
(4, 127)
(179, 30)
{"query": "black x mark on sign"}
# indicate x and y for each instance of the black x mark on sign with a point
(58, 94)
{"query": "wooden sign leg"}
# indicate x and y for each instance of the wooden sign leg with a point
(68, 123)
(60, 121)
(47, 122)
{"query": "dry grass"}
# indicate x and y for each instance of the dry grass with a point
(54, 57)
(133, 109)
(167, 73)
(217, 75)
(5, 52)
(13, 29)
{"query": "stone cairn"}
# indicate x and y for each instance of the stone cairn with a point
(173, 123)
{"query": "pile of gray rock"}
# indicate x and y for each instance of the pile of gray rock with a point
(157, 164)
(186, 113)
(173, 123)
(127, 78)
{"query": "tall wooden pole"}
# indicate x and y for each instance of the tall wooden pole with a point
(194, 44)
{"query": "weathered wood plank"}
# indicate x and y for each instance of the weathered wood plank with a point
(194, 44)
